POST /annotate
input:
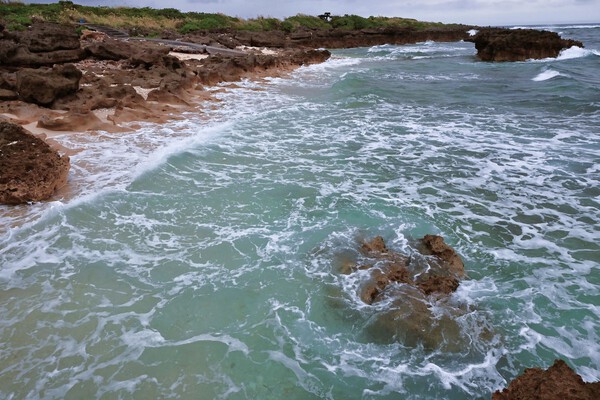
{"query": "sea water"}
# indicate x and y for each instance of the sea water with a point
(199, 259)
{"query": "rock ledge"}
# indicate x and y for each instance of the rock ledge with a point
(29, 169)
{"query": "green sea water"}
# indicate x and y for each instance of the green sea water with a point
(201, 259)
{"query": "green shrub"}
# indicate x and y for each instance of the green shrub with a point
(172, 13)
(287, 26)
(304, 21)
(250, 26)
(352, 22)
(17, 15)
(207, 21)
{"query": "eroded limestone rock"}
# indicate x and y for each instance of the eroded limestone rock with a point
(559, 382)
(29, 169)
(43, 86)
(498, 44)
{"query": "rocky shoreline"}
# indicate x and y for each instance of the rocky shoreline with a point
(54, 79)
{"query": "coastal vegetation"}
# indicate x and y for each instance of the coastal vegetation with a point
(147, 21)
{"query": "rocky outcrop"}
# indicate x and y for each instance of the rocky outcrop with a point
(330, 38)
(221, 68)
(43, 86)
(41, 44)
(76, 122)
(404, 288)
(339, 38)
(559, 382)
(46, 37)
(519, 44)
(29, 169)
(437, 270)
(108, 49)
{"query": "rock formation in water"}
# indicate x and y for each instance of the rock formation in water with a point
(29, 169)
(443, 268)
(497, 44)
(559, 382)
(410, 294)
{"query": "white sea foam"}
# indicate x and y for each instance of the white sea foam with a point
(472, 32)
(544, 76)
(557, 27)
(574, 52)
(571, 53)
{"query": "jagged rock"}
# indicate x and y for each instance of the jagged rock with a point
(42, 44)
(8, 48)
(76, 122)
(93, 36)
(8, 81)
(110, 49)
(438, 284)
(19, 55)
(408, 286)
(435, 245)
(440, 275)
(44, 86)
(48, 37)
(374, 247)
(154, 56)
(220, 68)
(519, 44)
(261, 39)
(382, 277)
(559, 382)
(165, 96)
(6, 94)
(29, 169)
(341, 38)
(99, 95)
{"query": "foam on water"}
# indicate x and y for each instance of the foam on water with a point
(544, 76)
(557, 27)
(575, 52)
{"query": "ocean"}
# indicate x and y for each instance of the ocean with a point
(200, 259)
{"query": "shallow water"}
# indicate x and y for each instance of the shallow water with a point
(200, 259)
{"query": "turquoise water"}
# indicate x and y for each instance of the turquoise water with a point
(200, 259)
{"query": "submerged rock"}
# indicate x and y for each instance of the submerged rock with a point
(441, 273)
(559, 382)
(29, 169)
(519, 44)
(410, 295)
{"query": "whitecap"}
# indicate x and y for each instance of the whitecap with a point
(574, 52)
(545, 75)
(554, 28)
(472, 32)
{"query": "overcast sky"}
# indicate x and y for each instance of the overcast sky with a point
(477, 12)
